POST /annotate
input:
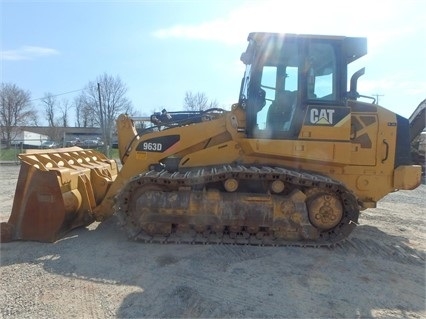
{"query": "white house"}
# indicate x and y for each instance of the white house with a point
(28, 138)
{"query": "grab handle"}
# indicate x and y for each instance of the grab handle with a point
(386, 151)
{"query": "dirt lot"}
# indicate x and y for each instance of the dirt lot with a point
(96, 272)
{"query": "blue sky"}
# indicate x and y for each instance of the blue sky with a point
(161, 49)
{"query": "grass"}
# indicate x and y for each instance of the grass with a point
(114, 154)
(11, 154)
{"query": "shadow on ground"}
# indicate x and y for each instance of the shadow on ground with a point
(370, 274)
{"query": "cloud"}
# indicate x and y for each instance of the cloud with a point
(212, 30)
(27, 53)
(315, 17)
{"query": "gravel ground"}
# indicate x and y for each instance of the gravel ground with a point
(95, 272)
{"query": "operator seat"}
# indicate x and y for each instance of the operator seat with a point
(281, 111)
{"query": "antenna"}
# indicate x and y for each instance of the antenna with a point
(377, 97)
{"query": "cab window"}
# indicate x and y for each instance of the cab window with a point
(280, 84)
(321, 73)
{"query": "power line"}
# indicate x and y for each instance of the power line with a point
(40, 98)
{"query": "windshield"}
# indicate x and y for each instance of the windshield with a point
(277, 76)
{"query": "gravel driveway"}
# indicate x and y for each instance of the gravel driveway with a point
(95, 272)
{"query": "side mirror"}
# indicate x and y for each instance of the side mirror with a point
(246, 58)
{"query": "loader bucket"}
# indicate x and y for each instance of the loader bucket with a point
(57, 191)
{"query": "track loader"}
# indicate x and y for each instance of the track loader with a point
(291, 163)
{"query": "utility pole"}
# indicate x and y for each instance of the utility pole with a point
(377, 97)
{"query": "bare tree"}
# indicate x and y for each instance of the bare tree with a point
(84, 116)
(15, 110)
(197, 102)
(56, 112)
(50, 104)
(65, 105)
(33, 119)
(106, 99)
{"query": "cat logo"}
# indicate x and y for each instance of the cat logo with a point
(327, 115)
(321, 116)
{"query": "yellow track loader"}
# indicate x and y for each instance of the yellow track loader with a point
(291, 163)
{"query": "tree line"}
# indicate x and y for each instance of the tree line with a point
(97, 105)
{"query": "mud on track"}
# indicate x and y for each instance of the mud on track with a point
(95, 272)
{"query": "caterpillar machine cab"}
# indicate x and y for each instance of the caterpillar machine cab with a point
(292, 163)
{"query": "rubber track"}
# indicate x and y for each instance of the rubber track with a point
(202, 176)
